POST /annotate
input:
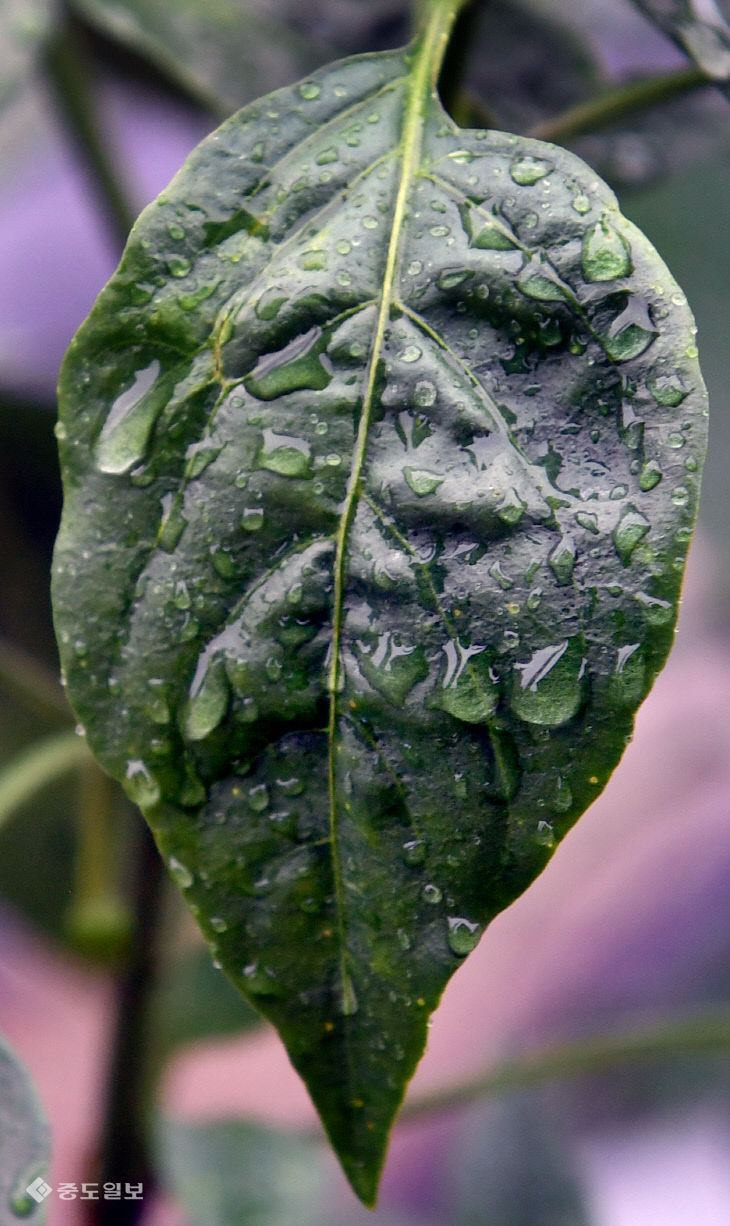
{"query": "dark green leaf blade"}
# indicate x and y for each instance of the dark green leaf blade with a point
(381, 457)
(24, 1145)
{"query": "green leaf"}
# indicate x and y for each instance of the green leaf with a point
(24, 1145)
(699, 27)
(230, 1173)
(24, 25)
(361, 575)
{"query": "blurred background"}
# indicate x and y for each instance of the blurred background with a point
(628, 928)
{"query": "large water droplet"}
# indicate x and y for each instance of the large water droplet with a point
(126, 432)
(529, 170)
(414, 852)
(548, 688)
(393, 667)
(300, 365)
(562, 561)
(285, 454)
(651, 474)
(462, 934)
(432, 894)
(606, 254)
(421, 481)
(630, 529)
(179, 873)
(140, 785)
(207, 701)
(627, 683)
(667, 390)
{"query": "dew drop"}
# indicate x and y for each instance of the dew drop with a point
(252, 519)
(650, 476)
(207, 701)
(300, 365)
(218, 924)
(258, 798)
(462, 934)
(177, 266)
(667, 391)
(432, 894)
(140, 785)
(629, 531)
(421, 481)
(545, 835)
(606, 254)
(179, 873)
(548, 688)
(270, 303)
(588, 521)
(309, 90)
(581, 204)
(562, 561)
(424, 394)
(411, 353)
(414, 852)
(528, 170)
(126, 432)
(656, 612)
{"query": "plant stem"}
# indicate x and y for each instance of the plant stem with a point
(704, 1032)
(621, 100)
(124, 1156)
(38, 765)
(75, 95)
(32, 684)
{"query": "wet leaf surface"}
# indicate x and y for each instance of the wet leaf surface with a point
(381, 454)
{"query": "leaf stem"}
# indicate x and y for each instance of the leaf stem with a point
(705, 1031)
(32, 684)
(75, 95)
(38, 765)
(124, 1155)
(618, 101)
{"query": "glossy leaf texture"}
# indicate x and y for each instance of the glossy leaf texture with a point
(24, 1145)
(699, 27)
(381, 455)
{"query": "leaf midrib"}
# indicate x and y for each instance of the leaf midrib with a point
(427, 57)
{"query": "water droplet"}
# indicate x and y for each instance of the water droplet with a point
(414, 852)
(179, 873)
(511, 509)
(548, 688)
(126, 432)
(291, 787)
(421, 481)
(680, 496)
(300, 365)
(327, 156)
(651, 475)
(348, 1002)
(563, 798)
(393, 667)
(424, 394)
(252, 519)
(260, 981)
(207, 701)
(411, 353)
(529, 170)
(462, 934)
(177, 266)
(504, 581)
(545, 835)
(140, 785)
(588, 521)
(258, 798)
(432, 894)
(541, 286)
(451, 277)
(657, 612)
(581, 204)
(284, 454)
(309, 90)
(606, 254)
(172, 527)
(630, 529)
(217, 923)
(562, 561)
(270, 303)
(627, 684)
(468, 691)
(667, 390)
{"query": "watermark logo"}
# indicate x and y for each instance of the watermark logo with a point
(39, 1190)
